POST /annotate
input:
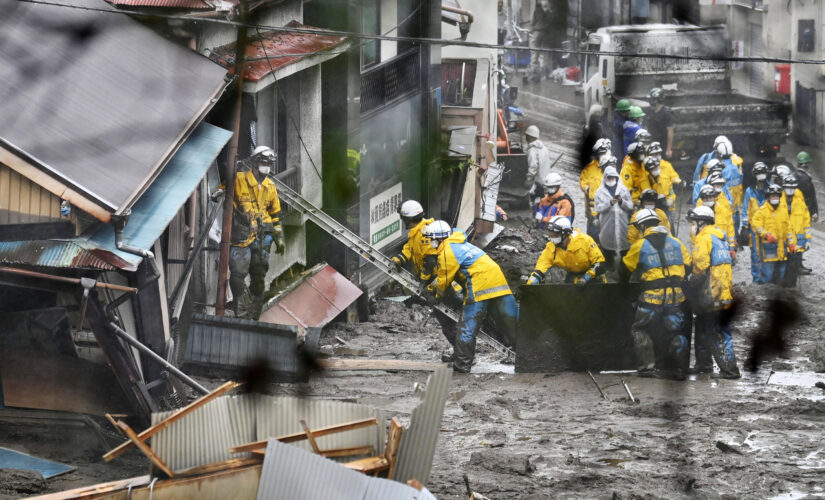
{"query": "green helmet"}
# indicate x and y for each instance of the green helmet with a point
(803, 157)
(636, 112)
(623, 105)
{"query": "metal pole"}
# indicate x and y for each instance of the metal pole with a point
(152, 354)
(65, 279)
(232, 158)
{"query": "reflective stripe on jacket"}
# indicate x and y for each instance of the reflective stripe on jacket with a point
(777, 222)
(479, 276)
(800, 218)
(711, 254)
(724, 218)
(416, 249)
(662, 270)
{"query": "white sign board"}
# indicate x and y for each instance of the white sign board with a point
(385, 223)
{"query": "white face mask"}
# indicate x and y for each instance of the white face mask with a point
(717, 188)
(773, 201)
(555, 240)
(611, 182)
(264, 170)
(761, 177)
(434, 244)
(650, 207)
(658, 156)
(709, 203)
(655, 172)
(790, 191)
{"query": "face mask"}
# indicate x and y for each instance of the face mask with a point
(655, 172)
(610, 182)
(717, 188)
(773, 201)
(555, 240)
(551, 191)
(709, 203)
(264, 170)
(650, 207)
(434, 244)
(761, 177)
(657, 156)
(790, 191)
(694, 228)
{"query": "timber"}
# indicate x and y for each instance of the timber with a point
(300, 436)
(143, 447)
(340, 364)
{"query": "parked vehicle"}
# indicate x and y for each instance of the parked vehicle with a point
(510, 117)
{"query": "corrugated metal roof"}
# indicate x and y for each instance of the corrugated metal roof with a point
(171, 4)
(281, 49)
(415, 453)
(316, 301)
(51, 253)
(100, 101)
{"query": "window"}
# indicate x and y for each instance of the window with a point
(457, 82)
(370, 25)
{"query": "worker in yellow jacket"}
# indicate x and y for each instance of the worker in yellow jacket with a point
(648, 201)
(711, 287)
(661, 263)
(663, 178)
(633, 173)
(715, 195)
(590, 180)
(571, 250)
(800, 221)
(256, 225)
(774, 236)
(485, 289)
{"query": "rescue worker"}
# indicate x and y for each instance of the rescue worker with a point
(803, 176)
(419, 257)
(778, 173)
(634, 175)
(666, 181)
(713, 165)
(632, 125)
(753, 199)
(660, 121)
(716, 196)
(661, 262)
(571, 250)
(484, 285)
(614, 205)
(711, 287)
(648, 200)
(538, 160)
(619, 117)
(554, 202)
(724, 153)
(256, 225)
(590, 180)
(733, 177)
(772, 226)
(800, 222)
(643, 137)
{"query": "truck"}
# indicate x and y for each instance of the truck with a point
(698, 91)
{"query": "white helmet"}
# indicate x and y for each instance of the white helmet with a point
(437, 230)
(719, 139)
(602, 146)
(702, 214)
(532, 131)
(265, 155)
(560, 224)
(724, 149)
(644, 216)
(552, 179)
(410, 209)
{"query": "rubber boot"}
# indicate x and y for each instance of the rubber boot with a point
(725, 357)
(679, 351)
(464, 355)
(643, 345)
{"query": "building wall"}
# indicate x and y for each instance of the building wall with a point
(389, 21)
(22, 201)
(484, 30)
(211, 35)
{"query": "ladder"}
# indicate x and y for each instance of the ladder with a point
(370, 254)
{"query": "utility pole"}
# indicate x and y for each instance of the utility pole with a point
(231, 164)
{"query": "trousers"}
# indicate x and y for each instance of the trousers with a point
(659, 337)
(504, 311)
(714, 343)
(253, 262)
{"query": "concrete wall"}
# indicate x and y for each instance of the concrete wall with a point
(213, 35)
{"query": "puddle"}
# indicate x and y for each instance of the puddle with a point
(799, 379)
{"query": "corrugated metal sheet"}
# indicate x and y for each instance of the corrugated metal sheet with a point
(124, 97)
(415, 454)
(170, 4)
(281, 48)
(316, 301)
(282, 415)
(229, 345)
(23, 201)
(51, 253)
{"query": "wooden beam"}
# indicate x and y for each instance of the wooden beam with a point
(352, 451)
(151, 431)
(232, 463)
(310, 437)
(341, 364)
(143, 447)
(300, 436)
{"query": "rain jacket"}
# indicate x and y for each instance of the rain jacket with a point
(417, 249)
(701, 171)
(634, 177)
(633, 233)
(775, 221)
(732, 174)
(664, 184)
(712, 268)
(800, 218)
(577, 259)
(253, 203)
(590, 180)
(807, 187)
(479, 276)
(613, 219)
(724, 218)
(661, 262)
(538, 163)
(629, 129)
(558, 204)
(753, 199)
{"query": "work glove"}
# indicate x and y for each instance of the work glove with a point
(791, 248)
(216, 194)
(584, 280)
(769, 238)
(397, 262)
(278, 240)
(744, 236)
(534, 279)
(733, 256)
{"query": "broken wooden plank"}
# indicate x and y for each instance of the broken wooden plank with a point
(97, 490)
(151, 431)
(342, 364)
(300, 436)
(232, 463)
(310, 437)
(144, 448)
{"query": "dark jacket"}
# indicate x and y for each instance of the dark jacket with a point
(807, 188)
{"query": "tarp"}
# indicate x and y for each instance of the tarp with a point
(10, 459)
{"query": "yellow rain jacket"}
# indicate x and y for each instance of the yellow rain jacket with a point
(711, 254)
(416, 249)
(590, 181)
(634, 177)
(662, 280)
(777, 222)
(800, 218)
(252, 202)
(577, 259)
(633, 233)
(479, 276)
(664, 185)
(723, 214)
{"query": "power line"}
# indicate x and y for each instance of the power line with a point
(432, 41)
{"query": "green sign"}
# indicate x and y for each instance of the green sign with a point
(386, 232)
